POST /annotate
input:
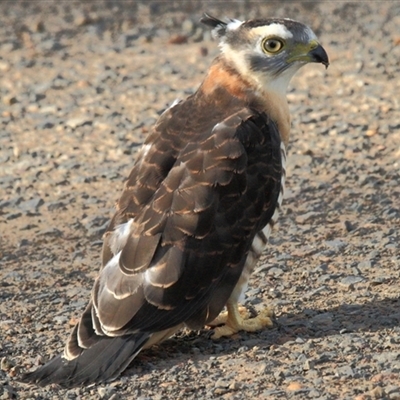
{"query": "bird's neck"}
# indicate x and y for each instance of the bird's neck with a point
(222, 75)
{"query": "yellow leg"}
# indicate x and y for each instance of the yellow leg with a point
(223, 316)
(235, 322)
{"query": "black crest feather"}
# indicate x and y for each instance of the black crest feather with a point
(218, 26)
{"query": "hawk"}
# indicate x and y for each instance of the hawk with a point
(197, 208)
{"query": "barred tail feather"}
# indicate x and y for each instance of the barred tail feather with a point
(102, 362)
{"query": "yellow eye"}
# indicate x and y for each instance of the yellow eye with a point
(271, 45)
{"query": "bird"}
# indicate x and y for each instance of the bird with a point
(197, 209)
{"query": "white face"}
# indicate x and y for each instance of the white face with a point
(243, 47)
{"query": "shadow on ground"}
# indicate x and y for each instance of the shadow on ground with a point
(307, 324)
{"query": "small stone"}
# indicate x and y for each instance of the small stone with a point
(308, 364)
(377, 393)
(6, 364)
(321, 268)
(263, 368)
(178, 39)
(4, 66)
(9, 100)
(32, 205)
(294, 386)
(220, 391)
(377, 281)
(13, 216)
(336, 244)
(316, 291)
(198, 36)
(275, 272)
(371, 132)
(235, 386)
(204, 51)
(271, 393)
(366, 264)
(349, 226)
(38, 26)
(314, 393)
(106, 392)
(61, 319)
(51, 232)
(50, 45)
(351, 280)
(346, 371)
(24, 242)
(221, 383)
(14, 371)
(78, 122)
(39, 360)
(323, 319)
(188, 26)
(278, 375)
(56, 205)
(45, 125)
(48, 110)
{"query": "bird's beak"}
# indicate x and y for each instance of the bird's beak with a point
(319, 55)
(312, 52)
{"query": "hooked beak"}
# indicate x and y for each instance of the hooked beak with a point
(312, 52)
(318, 55)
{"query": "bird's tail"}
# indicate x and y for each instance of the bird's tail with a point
(104, 361)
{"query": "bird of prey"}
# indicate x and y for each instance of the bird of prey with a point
(197, 209)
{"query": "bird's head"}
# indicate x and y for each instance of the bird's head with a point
(267, 52)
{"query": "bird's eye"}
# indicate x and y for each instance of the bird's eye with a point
(270, 45)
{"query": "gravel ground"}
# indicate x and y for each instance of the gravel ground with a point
(80, 86)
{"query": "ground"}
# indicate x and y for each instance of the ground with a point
(80, 86)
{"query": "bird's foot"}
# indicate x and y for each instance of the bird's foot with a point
(223, 317)
(235, 322)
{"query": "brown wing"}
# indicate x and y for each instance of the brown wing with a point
(189, 217)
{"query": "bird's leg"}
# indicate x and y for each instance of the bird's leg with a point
(223, 316)
(235, 322)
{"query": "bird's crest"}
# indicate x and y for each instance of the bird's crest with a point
(219, 27)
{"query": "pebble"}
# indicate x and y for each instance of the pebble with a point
(105, 392)
(336, 244)
(32, 205)
(351, 280)
(345, 371)
(56, 205)
(188, 26)
(366, 264)
(6, 364)
(61, 319)
(78, 122)
(275, 272)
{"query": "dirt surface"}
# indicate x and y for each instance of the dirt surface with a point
(80, 86)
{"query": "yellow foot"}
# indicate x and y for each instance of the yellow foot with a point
(223, 316)
(235, 322)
